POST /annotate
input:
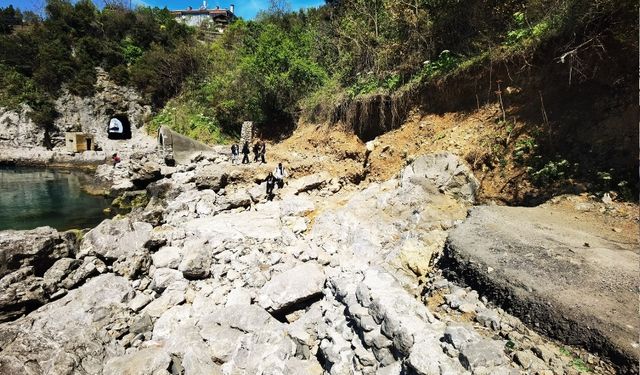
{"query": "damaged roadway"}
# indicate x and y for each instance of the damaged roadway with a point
(565, 276)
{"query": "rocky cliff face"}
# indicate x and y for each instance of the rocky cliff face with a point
(17, 129)
(89, 114)
(92, 114)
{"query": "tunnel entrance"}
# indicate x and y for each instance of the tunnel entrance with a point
(119, 127)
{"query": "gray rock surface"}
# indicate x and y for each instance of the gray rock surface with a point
(289, 288)
(444, 172)
(116, 238)
(150, 361)
(328, 278)
(18, 130)
(74, 334)
(196, 260)
(571, 291)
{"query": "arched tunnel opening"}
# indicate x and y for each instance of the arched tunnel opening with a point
(119, 127)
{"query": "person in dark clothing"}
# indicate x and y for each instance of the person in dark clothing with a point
(256, 151)
(245, 152)
(271, 183)
(235, 151)
(263, 151)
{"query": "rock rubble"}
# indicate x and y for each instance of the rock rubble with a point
(210, 278)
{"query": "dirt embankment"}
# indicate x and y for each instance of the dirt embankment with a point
(559, 119)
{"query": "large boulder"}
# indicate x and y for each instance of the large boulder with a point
(145, 172)
(196, 260)
(73, 335)
(292, 287)
(211, 177)
(39, 248)
(444, 172)
(552, 269)
(116, 238)
(27, 256)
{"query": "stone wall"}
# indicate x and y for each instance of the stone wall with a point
(246, 134)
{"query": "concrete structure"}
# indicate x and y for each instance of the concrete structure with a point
(177, 148)
(79, 142)
(217, 19)
(246, 134)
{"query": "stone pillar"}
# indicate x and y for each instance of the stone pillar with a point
(246, 135)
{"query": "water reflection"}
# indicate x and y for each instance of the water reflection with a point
(31, 197)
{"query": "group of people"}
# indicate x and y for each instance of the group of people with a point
(275, 178)
(259, 152)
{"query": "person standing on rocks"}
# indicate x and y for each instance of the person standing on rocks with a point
(271, 183)
(263, 151)
(245, 152)
(256, 151)
(116, 159)
(235, 151)
(280, 173)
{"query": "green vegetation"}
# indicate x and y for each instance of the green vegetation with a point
(283, 64)
(257, 71)
(38, 57)
(127, 202)
(576, 362)
(309, 64)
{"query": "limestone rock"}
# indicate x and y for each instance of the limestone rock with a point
(21, 292)
(443, 172)
(142, 174)
(52, 338)
(236, 226)
(296, 206)
(40, 248)
(139, 301)
(163, 277)
(59, 271)
(167, 257)
(238, 296)
(244, 318)
(291, 287)
(221, 340)
(116, 238)
(149, 361)
(18, 130)
(212, 177)
(134, 265)
(310, 182)
(90, 266)
(482, 353)
(196, 260)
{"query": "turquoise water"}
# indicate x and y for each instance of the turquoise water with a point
(34, 197)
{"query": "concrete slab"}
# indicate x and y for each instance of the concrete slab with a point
(568, 279)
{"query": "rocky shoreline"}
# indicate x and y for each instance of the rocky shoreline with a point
(41, 157)
(206, 276)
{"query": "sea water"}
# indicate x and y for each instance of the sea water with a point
(34, 197)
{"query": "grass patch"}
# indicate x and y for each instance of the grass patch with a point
(189, 118)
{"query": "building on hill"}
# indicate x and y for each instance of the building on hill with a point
(213, 19)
